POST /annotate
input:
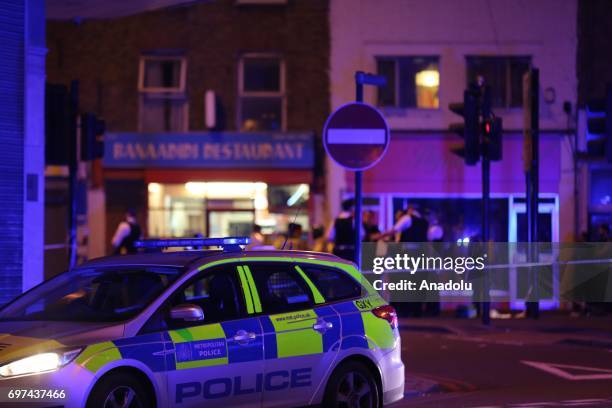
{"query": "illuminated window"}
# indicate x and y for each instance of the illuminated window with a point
(262, 93)
(412, 82)
(504, 74)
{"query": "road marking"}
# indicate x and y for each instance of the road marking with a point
(543, 404)
(560, 370)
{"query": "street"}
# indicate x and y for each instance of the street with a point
(513, 364)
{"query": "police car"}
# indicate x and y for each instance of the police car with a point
(224, 327)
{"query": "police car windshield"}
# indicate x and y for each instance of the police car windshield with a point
(92, 295)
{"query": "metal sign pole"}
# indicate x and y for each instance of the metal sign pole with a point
(358, 181)
(356, 136)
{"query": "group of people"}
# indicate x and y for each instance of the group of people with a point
(410, 226)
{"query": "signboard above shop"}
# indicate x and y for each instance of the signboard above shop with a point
(209, 150)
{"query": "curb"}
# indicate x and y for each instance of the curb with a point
(416, 386)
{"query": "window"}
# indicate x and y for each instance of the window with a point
(412, 82)
(503, 74)
(92, 295)
(162, 74)
(163, 102)
(332, 283)
(280, 288)
(218, 294)
(261, 93)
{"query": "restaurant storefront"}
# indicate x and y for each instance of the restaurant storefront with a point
(209, 183)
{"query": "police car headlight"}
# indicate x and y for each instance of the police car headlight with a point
(39, 363)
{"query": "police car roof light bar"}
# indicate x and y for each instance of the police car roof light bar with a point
(227, 243)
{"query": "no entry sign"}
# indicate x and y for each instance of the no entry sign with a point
(356, 136)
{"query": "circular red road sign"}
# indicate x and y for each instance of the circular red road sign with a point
(356, 136)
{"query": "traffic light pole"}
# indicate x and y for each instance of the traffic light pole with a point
(72, 173)
(485, 309)
(486, 150)
(532, 193)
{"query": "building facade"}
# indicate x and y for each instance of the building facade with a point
(22, 76)
(213, 113)
(430, 51)
(594, 70)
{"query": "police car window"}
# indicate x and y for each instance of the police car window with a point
(280, 288)
(104, 295)
(216, 291)
(333, 284)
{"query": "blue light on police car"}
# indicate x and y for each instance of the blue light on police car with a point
(193, 242)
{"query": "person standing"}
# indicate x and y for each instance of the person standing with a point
(410, 227)
(370, 226)
(257, 238)
(127, 233)
(342, 232)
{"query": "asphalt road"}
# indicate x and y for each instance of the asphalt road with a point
(505, 369)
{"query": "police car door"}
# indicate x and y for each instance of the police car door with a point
(301, 334)
(217, 361)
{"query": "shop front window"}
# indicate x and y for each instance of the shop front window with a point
(460, 218)
(219, 209)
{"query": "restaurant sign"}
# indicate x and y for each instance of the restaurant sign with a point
(209, 150)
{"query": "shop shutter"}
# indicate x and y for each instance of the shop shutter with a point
(12, 39)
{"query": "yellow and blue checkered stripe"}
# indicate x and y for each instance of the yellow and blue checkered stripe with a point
(214, 344)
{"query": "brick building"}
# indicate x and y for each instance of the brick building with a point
(185, 167)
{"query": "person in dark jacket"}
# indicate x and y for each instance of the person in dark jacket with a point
(409, 227)
(127, 233)
(342, 232)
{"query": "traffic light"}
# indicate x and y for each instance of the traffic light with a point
(492, 138)
(599, 125)
(468, 130)
(92, 137)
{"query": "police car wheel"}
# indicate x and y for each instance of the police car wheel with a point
(352, 386)
(119, 391)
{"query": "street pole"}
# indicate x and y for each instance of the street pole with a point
(486, 207)
(361, 79)
(486, 114)
(358, 180)
(532, 305)
(72, 173)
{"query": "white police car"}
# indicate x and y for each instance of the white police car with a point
(203, 328)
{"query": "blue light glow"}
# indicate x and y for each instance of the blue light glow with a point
(192, 242)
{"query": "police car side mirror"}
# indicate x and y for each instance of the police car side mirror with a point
(187, 312)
